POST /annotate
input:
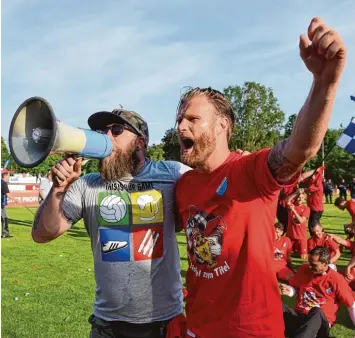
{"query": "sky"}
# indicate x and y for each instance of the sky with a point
(87, 56)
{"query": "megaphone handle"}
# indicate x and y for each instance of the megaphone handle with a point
(84, 161)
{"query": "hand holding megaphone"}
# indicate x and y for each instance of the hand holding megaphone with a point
(66, 171)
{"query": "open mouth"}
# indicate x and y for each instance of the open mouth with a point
(187, 143)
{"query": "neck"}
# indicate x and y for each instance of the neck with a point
(138, 166)
(219, 155)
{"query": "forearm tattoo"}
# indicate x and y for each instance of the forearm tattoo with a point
(44, 204)
(39, 211)
(281, 168)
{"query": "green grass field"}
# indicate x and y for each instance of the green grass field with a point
(48, 289)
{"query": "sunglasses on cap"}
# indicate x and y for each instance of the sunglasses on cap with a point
(117, 129)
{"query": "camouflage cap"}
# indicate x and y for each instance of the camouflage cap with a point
(101, 119)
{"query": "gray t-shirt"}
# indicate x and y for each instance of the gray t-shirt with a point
(131, 224)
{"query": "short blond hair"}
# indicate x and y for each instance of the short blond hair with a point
(221, 103)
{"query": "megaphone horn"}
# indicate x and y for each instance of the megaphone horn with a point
(35, 132)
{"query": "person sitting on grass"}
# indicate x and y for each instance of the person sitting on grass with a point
(349, 272)
(320, 238)
(298, 215)
(319, 291)
(349, 205)
(282, 254)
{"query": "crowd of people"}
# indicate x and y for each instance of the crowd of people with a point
(312, 313)
(225, 201)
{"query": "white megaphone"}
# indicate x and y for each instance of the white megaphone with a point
(35, 132)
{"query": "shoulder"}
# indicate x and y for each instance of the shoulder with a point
(89, 180)
(287, 240)
(174, 169)
(336, 277)
(304, 269)
(259, 155)
(304, 208)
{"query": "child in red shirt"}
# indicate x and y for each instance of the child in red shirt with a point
(349, 273)
(349, 205)
(314, 190)
(320, 238)
(282, 254)
(342, 204)
(298, 215)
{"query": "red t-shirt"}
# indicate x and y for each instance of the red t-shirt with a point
(315, 191)
(350, 206)
(228, 216)
(282, 250)
(325, 241)
(325, 291)
(296, 230)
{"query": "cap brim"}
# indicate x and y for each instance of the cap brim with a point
(101, 119)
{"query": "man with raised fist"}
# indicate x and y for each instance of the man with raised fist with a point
(233, 291)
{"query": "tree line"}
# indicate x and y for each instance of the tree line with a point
(260, 123)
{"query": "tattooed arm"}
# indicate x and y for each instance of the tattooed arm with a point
(50, 221)
(324, 54)
(288, 157)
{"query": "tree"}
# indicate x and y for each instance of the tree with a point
(259, 119)
(289, 125)
(92, 166)
(338, 162)
(5, 155)
(171, 145)
(156, 152)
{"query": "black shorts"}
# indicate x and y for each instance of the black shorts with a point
(117, 329)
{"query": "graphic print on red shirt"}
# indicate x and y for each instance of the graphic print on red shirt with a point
(324, 291)
(282, 250)
(231, 283)
(325, 241)
(350, 206)
(294, 229)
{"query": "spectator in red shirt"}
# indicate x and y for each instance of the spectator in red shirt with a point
(298, 215)
(314, 189)
(282, 254)
(349, 273)
(349, 205)
(319, 290)
(227, 204)
(320, 238)
(282, 210)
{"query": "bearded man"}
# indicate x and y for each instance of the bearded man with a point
(128, 211)
(237, 296)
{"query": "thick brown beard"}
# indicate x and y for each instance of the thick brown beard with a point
(202, 150)
(121, 164)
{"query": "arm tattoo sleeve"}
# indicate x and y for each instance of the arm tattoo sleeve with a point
(40, 210)
(50, 196)
(282, 168)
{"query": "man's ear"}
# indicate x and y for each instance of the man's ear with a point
(224, 123)
(140, 143)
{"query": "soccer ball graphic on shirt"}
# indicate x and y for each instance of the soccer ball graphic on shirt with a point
(113, 208)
